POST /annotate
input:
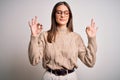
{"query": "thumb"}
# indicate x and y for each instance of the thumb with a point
(87, 28)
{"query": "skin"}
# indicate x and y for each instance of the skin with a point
(62, 16)
(62, 20)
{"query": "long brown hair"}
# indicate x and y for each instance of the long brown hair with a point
(52, 32)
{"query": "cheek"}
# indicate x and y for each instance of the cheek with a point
(56, 18)
(67, 19)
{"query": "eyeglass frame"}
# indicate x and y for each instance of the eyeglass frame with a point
(59, 12)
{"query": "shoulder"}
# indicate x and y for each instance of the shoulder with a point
(43, 34)
(77, 37)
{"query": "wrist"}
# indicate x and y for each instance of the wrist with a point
(35, 35)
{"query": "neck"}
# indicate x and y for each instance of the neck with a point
(62, 28)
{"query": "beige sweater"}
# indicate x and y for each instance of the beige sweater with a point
(64, 52)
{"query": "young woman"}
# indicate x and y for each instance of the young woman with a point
(60, 47)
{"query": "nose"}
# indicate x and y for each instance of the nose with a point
(62, 14)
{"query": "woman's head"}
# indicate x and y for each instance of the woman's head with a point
(61, 15)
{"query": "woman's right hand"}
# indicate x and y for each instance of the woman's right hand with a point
(35, 27)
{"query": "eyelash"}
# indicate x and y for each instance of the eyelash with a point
(60, 12)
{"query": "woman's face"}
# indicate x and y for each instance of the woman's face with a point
(62, 15)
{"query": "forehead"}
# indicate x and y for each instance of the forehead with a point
(62, 7)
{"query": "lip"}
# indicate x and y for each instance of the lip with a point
(62, 19)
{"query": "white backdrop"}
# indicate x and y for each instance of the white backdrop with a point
(15, 36)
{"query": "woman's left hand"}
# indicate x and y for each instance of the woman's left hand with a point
(91, 29)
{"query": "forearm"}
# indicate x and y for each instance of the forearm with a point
(88, 54)
(91, 50)
(33, 50)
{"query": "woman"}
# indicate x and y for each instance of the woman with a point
(59, 47)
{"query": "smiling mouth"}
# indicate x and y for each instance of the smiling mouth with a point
(62, 20)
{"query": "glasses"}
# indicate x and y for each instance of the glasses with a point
(59, 12)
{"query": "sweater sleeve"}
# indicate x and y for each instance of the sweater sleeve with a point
(87, 54)
(35, 49)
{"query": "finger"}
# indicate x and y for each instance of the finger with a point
(36, 60)
(39, 26)
(93, 25)
(92, 22)
(33, 61)
(35, 19)
(32, 21)
(39, 57)
(39, 30)
(29, 23)
(87, 28)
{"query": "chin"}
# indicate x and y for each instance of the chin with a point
(62, 23)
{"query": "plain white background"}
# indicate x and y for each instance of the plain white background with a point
(15, 36)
